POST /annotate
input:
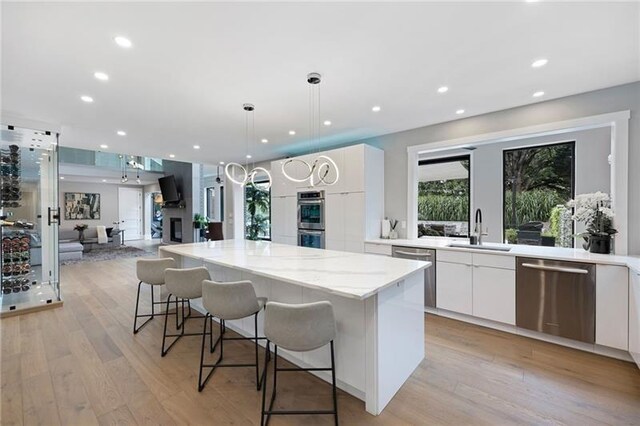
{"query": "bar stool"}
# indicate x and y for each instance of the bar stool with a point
(299, 328)
(151, 272)
(229, 301)
(183, 285)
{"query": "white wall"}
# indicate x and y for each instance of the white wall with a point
(591, 167)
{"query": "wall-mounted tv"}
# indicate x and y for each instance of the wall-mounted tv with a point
(169, 189)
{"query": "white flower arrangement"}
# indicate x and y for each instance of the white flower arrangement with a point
(594, 210)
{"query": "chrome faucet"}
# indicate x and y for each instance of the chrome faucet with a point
(478, 227)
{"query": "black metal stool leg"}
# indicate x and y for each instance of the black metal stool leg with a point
(333, 382)
(264, 382)
(207, 319)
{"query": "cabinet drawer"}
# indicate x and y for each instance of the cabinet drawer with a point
(494, 261)
(454, 256)
(377, 249)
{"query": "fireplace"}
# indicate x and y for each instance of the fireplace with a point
(176, 229)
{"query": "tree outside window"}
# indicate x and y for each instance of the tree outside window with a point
(257, 213)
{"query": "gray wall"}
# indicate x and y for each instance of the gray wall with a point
(592, 171)
(187, 177)
(625, 97)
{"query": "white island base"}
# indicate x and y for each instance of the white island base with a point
(380, 338)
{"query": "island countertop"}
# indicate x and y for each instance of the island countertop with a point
(351, 275)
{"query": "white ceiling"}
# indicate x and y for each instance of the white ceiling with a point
(193, 65)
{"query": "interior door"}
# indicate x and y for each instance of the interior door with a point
(130, 212)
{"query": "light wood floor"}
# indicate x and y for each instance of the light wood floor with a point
(81, 365)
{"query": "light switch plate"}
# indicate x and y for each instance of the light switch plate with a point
(403, 224)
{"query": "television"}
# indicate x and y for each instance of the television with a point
(169, 189)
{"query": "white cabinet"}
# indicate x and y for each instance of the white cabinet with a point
(612, 306)
(284, 220)
(345, 229)
(634, 315)
(454, 287)
(494, 294)
(477, 284)
(372, 248)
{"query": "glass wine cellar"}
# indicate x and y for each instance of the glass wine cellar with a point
(29, 213)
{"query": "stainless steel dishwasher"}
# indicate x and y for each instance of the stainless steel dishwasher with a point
(557, 298)
(426, 255)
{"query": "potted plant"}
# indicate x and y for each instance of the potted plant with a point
(594, 210)
(547, 238)
(80, 228)
(200, 221)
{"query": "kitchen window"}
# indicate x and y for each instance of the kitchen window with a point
(257, 211)
(538, 181)
(444, 195)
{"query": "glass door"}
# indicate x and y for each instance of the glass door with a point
(29, 214)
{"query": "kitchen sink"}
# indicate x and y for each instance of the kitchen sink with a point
(479, 247)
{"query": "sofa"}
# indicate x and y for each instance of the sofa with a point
(71, 248)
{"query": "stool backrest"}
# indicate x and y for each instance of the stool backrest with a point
(230, 300)
(151, 271)
(303, 327)
(186, 283)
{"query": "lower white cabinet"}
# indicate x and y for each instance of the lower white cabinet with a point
(284, 220)
(494, 294)
(454, 287)
(612, 306)
(634, 315)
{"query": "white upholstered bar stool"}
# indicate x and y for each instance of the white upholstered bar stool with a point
(183, 285)
(150, 272)
(299, 328)
(229, 301)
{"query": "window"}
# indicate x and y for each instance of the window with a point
(444, 195)
(538, 182)
(257, 211)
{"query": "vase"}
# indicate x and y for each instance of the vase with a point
(600, 244)
(393, 234)
(81, 235)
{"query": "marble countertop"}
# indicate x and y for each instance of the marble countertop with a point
(346, 274)
(556, 253)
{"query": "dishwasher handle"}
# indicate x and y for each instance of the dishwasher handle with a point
(555, 268)
(408, 253)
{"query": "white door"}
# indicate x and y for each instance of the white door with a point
(130, 212)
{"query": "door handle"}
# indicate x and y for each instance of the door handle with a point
(555, 268)
(53, 218)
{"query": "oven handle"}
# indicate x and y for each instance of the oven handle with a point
(555, 268)
(316, 201)
(305, 232)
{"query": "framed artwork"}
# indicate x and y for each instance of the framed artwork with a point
(81, 206)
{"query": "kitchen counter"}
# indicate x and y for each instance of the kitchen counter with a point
(377, 303)
(556, 253)
(346, 274)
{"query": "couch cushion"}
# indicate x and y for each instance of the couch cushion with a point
(70, 247)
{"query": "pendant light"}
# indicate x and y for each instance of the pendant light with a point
(317, 171)
(239, 174)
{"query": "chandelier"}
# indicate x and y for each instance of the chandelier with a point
(242, 175)
(316, 172)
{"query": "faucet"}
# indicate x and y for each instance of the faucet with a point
(478, 226)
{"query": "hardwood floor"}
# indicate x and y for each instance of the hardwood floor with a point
(81, 365)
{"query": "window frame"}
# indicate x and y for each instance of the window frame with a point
(450, 159)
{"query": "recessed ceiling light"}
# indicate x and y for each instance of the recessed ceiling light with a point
(37, 162)
(62, 177)
(264, 140)
(196, 147)
(248, 155)
(327, 122)
(460, 111)
(104, 180)
(123, 42)
(531, 1)
(376, 109)
(539, 63)
(443, 89)
(104, 146)
(44, 154)
(87, 99)
(222, 162)
(121, 133)
(538, 94)
(292, 132)
(172, 156)
(101, 76)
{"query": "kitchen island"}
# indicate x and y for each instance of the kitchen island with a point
(378, 305)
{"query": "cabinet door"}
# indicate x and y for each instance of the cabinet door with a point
(352, 174)
(280, 186)
(612, 306)
(453, 288)
(277, 217)
(494, 294)
(291, 216)
(334, 224)
(634, 315)
(354, 215)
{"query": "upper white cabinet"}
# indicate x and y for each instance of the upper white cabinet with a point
(284, 219)
(634, 315)
(354, 206)
(612, 306)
